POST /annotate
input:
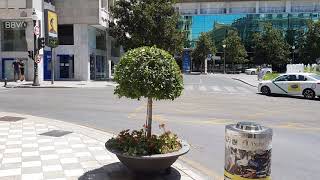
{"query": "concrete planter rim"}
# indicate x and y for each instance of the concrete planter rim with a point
(185, 147)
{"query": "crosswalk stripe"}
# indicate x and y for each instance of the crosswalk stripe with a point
(215, 88)
(230, 89)
(202, 88)
(242, 89)
(226, 89)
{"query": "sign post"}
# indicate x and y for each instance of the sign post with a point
(52, 66)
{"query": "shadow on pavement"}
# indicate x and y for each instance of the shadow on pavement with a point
(293, 97)
(117, 171)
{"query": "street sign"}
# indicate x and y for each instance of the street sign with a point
(36, 30)
(38, 59)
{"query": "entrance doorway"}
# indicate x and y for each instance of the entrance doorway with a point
(98, 67)
(66, 66)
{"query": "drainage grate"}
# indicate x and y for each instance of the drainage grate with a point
(11, 119)
(56, 133)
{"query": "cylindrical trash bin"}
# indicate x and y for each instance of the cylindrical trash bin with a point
(247, 152)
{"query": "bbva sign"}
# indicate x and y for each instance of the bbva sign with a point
(15, 25)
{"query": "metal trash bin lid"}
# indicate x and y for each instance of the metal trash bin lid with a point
(250, 129)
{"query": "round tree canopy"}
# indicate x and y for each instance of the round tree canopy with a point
(148, 72)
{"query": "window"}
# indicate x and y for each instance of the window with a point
(292, 78)
(100, 40)
(282, 78)
(115, 49)
(301, 78)
(317, 77)
(50, 1)
(66, 36)
(13, 36)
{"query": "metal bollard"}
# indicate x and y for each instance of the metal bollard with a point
(5, 82)
(247, 152)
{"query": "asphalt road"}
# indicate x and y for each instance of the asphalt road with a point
(199, 116)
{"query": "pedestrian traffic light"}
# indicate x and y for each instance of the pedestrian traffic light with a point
(30, 54)
(41, 43)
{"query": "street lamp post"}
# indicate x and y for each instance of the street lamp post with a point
(293, 50)
(35, 51)
(224, 58)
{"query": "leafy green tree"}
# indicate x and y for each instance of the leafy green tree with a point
(204, 47)
(271, 47)
(235, 51)
(148, 72)
(309, 50)
(146, 23)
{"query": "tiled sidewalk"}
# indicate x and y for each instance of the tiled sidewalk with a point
(79, 154)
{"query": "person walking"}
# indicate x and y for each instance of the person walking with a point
(16, 70)
(21, 66)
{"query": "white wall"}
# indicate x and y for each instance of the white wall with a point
(78, 11)
(16, 4)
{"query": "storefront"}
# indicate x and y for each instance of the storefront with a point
(14, 47)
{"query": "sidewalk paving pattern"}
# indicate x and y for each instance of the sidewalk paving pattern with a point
(34, 148)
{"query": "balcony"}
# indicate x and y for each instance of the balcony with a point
(213, 11)
(240, 10)
(188, 11)
(309, 8)
(272, 9)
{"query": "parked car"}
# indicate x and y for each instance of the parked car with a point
(254, 71)
(251, 71)
(306, 84)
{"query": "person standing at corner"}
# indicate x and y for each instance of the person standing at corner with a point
(21, 66)
(16, 69)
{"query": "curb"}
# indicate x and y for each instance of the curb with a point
(244, 82)
(35, 87)
(48, 87)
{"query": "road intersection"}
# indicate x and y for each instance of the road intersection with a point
(198, 116)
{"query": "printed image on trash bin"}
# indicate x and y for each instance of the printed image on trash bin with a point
(248, 164)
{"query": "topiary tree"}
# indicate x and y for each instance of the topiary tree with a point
(148, 72)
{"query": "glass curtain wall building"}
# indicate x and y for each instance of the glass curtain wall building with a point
(247, 17)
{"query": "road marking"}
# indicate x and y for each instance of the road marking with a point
(216, 88)
(203, 169)
(4, 90)
(230, 89)
(189, 87)
(243, 89)
(137, 110)
(202, 88)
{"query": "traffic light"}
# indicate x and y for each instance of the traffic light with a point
(30, 54)
(41, 43)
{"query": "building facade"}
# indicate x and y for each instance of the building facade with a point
(85, 50)
(246, 17)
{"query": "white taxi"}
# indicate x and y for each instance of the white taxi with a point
(306, 84)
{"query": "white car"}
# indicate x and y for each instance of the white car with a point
(254, 71)
(306, 84)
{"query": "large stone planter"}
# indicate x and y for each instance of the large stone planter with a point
(153, 163)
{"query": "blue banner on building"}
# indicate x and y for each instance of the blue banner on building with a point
(186, 61)
(47, 65)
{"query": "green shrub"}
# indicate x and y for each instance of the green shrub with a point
(152, 73)
(148, 72)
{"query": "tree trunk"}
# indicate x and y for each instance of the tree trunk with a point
(233, 67)
(149, 114)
